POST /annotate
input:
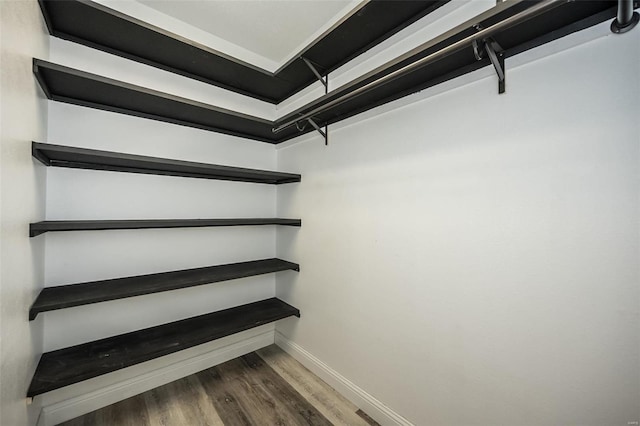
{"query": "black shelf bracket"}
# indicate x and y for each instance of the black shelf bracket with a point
(495, 53)
(324, 133)
(324, 80)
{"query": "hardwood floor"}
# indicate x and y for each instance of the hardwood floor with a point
(267, 387)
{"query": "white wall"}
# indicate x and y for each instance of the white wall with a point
(472, 258)
(158, 19)
(22, 184)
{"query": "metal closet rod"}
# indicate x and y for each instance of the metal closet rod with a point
(466, 42)
(625, 12)
(626, 18)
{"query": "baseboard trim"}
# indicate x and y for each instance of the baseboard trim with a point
(358, 396)
(76, 406)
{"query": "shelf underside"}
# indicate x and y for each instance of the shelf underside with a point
(81, 158)
(67, 296)
(39, 228)
(77, 87)
(111, 31)
(78, 363)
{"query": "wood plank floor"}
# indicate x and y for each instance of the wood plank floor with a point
(267, 387)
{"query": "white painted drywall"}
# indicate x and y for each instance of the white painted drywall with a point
(180, 28)
(472, 258)
(22, 184)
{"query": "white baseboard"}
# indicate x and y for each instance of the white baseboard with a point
(85, 403)
(358, 396)
(70, 408)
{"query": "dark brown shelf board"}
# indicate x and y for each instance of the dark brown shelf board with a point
(75, 364)
(39, 228)
(67, 296)
(81, 158)
(100, 27)
(73, 86)
(568, 17)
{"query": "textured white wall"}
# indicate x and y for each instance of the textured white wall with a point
(22, 185)
(472, 258)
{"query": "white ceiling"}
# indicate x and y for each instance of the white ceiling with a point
(274, 29)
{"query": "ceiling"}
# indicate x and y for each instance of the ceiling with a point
(274, 29)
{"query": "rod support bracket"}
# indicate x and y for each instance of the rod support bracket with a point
(617, 28)
(626, 18)
(324, 80)
(324, 133)
(489, 48)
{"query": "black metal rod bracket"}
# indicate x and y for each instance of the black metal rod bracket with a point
(495, 53)
(324, 80)
(324, 133)
(626, 18)
(497, 59)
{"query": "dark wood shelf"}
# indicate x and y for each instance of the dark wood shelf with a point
(81, 88)
(568, 17)
(69, 85)
(100, 27)
(64, 367)
(66, 296)
(81, 158)
(39, 228)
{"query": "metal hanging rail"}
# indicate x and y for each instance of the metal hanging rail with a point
(626, 18)
(467, 42)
